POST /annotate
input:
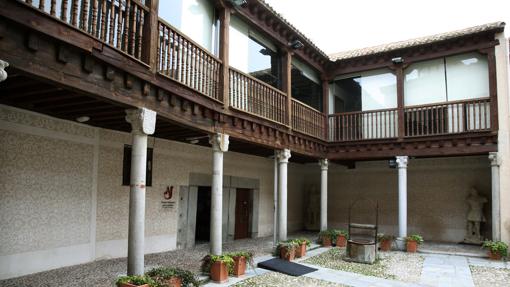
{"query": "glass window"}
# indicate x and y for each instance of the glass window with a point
(424, 83)
(194, 18)
(253, 54)
(467, 77)
(306, 85)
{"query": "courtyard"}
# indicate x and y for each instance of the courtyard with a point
(393, 268)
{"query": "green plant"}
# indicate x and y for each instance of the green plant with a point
(383, 237)
(161, 274)
(247, 255)
(340, 232)
(300, 241)
(331, 234)
(496, 247)
(208, 260)
(415, 237)
(289, 245)
(136, 280)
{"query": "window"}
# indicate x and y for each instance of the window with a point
(253, 54)
(195, 18)
(126, 167)
(306, 85)
(454, 78)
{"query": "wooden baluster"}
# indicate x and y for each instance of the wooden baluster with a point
(53, 8)
(41, 4)
(140, 33)
(171, 58)
(127, 17)
(29, 2)
(94, 18)
(133, 29)
(74, 13)
(118, 41)
(103, 21)
(63, 12)
(111, 22)
(84, 15)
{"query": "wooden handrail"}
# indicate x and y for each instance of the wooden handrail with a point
(445, 103)
(257, 80)
(308, 120)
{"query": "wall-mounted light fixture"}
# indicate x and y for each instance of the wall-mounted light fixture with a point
(239, 3)
(392, 163)
(397, 60)
(296, 44)
(83, 119)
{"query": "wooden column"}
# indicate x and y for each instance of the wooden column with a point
(325, 105)
(151, 34)
(491, 62)
(287, 82)
(224, 55)
(399, 71)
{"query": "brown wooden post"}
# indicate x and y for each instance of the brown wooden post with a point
(325, 106)
(491, 62)
(287, 82)
(151, 35)
(399, 71)
(224, 54)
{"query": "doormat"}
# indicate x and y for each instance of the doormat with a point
(285, 267)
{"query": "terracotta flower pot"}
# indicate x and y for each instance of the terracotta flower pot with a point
(174, 282)
(494, 255)
(301, 250)
(131, 285)
(239, 266)
(341, 241)
(219, 272)
(326, 241)
(385, 245)
(412, 246)
(289, 256)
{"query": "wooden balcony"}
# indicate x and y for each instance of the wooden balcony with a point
(195, 88)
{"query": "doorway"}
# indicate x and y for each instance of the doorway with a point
(203, 219)
(243, 213)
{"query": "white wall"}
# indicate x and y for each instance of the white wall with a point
(63, 203)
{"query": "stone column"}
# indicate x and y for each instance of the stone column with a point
(283, 160)
(275, 200)
(3, 73)
(496, 211)
(219, 144)
(402, 201)
(324, 193)
(143, 123)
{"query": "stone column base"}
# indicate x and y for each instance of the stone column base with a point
(400, 242)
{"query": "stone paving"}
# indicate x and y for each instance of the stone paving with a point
(446, 270)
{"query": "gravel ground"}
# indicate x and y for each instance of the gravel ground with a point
(273, 279)
(102, 273)
(390, 265)
(486, 276)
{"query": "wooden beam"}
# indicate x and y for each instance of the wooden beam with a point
(287, 82)
(224, 56)
(399, 71)
(151, 35)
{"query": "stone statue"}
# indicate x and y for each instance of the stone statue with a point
(474, 217)
(313, 209)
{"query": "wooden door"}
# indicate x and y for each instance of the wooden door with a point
(243, 211)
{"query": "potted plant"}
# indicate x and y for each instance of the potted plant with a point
(385, 241)
(240, 259)
(136, 280)
(287, 250)
(325, 237)
(497, 249)
(341, 237)
(173, 277)
(302, 243)
(218, 267)
(412, 242)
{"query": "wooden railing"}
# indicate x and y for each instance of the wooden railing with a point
(185, 61)
(256, 97)
(307, 120)
(119, 24)
(355, 126)
(448, 118)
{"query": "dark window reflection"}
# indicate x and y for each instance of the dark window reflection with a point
(263, 63)
(305, 90)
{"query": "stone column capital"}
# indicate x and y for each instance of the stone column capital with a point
(142, 120)
(283, 155)
(495, 159)
(219, 142)
(402, 161)
(3, 73)
(324, 163)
